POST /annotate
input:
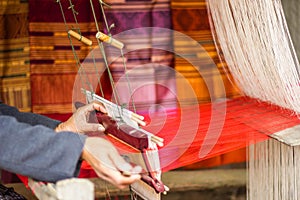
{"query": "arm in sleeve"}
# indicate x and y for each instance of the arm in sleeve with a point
(28, 117)
(37, 152)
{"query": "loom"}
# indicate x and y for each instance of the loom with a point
(193, 132)
(122, 125)
(260, 55)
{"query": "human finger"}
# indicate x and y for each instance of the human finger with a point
(99, 107)
(91, 107)
(120, 180)
(110, 173)
(93, 127)
(128, 169)
(122, 165)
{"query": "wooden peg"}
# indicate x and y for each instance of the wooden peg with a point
(105, 38)
(80, 38)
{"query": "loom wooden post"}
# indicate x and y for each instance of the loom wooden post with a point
(274, 167)
(80, 38)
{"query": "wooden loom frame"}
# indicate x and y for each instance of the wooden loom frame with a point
(275, 164)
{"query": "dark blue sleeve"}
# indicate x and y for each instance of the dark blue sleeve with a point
(27, 117)
(37, 151)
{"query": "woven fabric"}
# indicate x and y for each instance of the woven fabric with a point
(52, 64)
(14, 54)
(53, 67)
(191, 18)
(151, 83)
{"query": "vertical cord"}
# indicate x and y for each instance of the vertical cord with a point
(104, 17)
(80, 69)
(74, 15)
(133, 195)
(128, 81)
(97, 73)
(101, 47)
(83, 73)
(117, 98)
(122, 55)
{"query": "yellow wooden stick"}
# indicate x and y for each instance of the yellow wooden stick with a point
(80, 38)
(105, 38)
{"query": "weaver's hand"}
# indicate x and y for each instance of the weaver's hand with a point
(84, 119)
(108, 164)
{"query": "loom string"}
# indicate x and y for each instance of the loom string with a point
(104, 16)
(128, 81)
(74, 15)
(77, 59)
(121, 51)
(82, 72)
(97, 72)
(219, 51)
(101, 47)
(272, 66)
(78, 63)
(258, 49)
(91, 48)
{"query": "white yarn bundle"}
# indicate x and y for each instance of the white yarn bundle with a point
(255, 41)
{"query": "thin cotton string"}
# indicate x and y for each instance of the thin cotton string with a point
(273, 171)
(152, 155)
(102, 50)
(101, 47)
(78, 64)
(255, 41)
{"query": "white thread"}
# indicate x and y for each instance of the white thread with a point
(273, 171)
(255, 41)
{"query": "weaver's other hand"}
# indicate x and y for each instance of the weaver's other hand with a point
(84, 119)
(108, 164)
